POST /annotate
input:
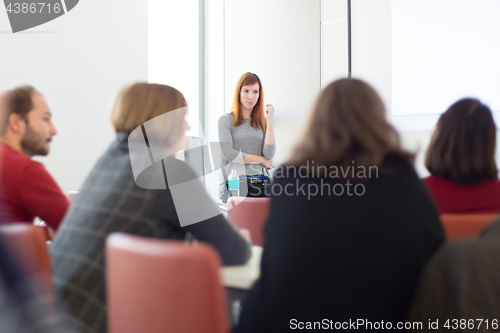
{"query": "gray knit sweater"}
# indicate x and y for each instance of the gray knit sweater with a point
(236, 142)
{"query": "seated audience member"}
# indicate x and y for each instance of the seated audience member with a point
(24, 305)
(27, 189)
(343, 242)
(459, 290)
(115, 198)
(461, 160)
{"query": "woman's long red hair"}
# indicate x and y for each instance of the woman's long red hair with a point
(258, 117)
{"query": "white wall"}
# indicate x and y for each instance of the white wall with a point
(452, 56)
(173, 51)
(334, 41)
(371, 45)
(214, 80)
(278, 40)
(372, 62)
(78, 61)
(417, 142)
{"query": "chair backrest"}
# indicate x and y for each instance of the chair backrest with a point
(251, 214)
(466, 225)
(163, 286)
(29, 247)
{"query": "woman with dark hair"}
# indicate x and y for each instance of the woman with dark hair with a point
(461, 160)
(350, 224)
(247, 139)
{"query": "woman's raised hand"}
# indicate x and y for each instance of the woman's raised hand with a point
(269, 112)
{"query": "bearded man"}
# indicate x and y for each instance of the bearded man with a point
(27, 190)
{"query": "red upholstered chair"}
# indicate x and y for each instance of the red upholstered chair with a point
(28, 245)
(163, 286)
(251, 214)
(465, 225)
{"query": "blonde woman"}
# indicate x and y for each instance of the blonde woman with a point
(116, 198)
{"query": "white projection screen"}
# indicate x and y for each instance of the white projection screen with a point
(443, 50)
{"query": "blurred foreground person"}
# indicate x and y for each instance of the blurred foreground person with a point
(136, 187)
(350, 225)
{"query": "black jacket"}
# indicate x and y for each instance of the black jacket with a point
(342, 257)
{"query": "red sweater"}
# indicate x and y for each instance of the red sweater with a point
(28, 190)
(457, 199)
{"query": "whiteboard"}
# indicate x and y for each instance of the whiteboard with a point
(443, 51)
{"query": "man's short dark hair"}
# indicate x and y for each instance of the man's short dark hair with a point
(19, 101)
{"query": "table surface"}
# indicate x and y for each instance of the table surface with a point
(243, 276)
